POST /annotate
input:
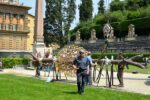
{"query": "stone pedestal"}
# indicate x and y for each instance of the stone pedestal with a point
(110, 40)
(39, 47)
(78, 42)
(92, 41)
(130, 38)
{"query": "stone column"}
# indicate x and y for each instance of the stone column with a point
(38, 37)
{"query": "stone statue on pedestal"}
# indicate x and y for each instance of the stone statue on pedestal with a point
(78, 35)
(93, 36)
(108, 32)
(131, 32)
(78, 39)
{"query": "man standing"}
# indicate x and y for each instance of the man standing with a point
(36, 60)
(89, 76)
(120, 70)
(81, 63)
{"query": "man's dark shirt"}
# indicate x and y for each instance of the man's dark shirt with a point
(81, 63)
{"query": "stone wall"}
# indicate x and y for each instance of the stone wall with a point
(141, 44)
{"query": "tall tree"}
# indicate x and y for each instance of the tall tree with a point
(59, 14)
(134, 4)
(52, 22)
(86, 10)
(117, 5)
(101, 7)
(70, 11)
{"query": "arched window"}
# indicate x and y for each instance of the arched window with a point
(7, 26)
(14, 27)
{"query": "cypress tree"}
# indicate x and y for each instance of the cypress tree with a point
(59, 15)
(85, 10)
(101, 8)
(70, 11)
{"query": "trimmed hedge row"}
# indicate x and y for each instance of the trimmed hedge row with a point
(10, 62)
(126, 55)
(141, 26)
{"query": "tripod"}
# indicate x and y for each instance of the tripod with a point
(105, 63)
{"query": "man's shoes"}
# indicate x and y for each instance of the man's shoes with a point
(81, 93)
(120, 85)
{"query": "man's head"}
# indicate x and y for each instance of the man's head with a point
(89, 53)
(81, 53)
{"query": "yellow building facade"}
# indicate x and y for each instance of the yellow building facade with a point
(30, 39)
(16, 28)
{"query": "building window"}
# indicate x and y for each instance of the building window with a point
(4, 1)
(1, 16)
(14, 27)
(7, 16)
(21, 27)
(15, 15)
(7, 26)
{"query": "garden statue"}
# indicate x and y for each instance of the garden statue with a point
(111, 36)
(108, 32)
(131, 32)
(78, 39)
(93, 36)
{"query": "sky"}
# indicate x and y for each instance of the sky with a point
(31, 3)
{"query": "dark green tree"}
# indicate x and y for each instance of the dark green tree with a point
(59, 16)
(85, 10)
(143, 3)
(70, 11)
(134, 4)
(101, 7)
(117, 5)
(52, 22)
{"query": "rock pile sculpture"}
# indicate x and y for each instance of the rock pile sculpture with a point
(65, 59)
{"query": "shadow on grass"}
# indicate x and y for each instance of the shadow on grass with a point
(70, 92)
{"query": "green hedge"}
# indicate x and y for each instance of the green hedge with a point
(10, 62)
(141, 26)
(126, 55)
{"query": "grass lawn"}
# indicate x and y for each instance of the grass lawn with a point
(21, 88)
(143, 71)
(134, 68)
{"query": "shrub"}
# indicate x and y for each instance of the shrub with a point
(126, 55)
(117, 16)
(10, 62)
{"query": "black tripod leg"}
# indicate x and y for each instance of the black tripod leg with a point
(112, 75)
(99, 75)
(94, 74)
(108, 78)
